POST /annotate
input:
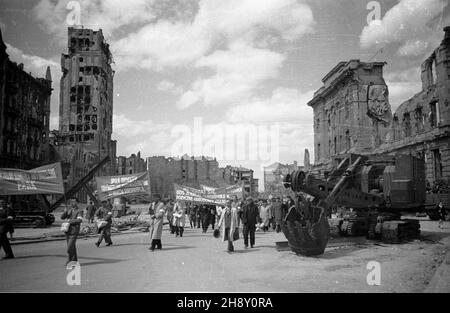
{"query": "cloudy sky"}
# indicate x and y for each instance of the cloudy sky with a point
(190, 74)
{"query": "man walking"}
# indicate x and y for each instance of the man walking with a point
(5, 227)
(206, 217)
(104, 216)
(277, 214)
(250, 216)
(229, 223)
(192, 215)
(74, 217)
(90, 212)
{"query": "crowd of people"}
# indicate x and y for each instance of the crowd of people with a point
(225, 220)
(262, 215)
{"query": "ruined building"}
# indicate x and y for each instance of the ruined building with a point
(421, 125)
(24, 114)
(352, 114)
(131, 165)
(351, 110)
(194, 172)
(274, 175)
(86, 105)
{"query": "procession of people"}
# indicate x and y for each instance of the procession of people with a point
(226, 221)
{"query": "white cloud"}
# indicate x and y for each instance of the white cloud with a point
(403, 85)
(167, 43)
(168, 86)
(408, 24)
(239, 71)
(32, 63)
(284, 105)
(109, 15)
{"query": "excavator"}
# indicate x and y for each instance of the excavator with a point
(371, 190)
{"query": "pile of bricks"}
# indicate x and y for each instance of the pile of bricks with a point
(400, 231)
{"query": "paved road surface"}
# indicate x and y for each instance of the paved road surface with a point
(198, 262)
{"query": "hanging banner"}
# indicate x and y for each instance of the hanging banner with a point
(42, 180)
(207, 195)
(124, 185)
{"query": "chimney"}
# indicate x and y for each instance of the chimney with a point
(446, 36)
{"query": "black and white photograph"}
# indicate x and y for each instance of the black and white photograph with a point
(224, 151)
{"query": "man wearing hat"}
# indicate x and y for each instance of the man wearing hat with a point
(250, 216)
(74, 216)
(104, 216)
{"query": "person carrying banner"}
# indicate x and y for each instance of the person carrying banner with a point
(104, 222)
(74, 217)
(192, 211)
(5, 227)
(170, 211)
(213, 216)
(206, 217)
(179, 218)
(228, 224)
(199, 216)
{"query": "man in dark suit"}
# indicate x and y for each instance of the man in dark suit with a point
(5, 227)
(250, 217)
(74, 216)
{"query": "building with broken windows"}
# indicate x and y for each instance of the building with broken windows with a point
(194, 172)
(131, 165)
(24, 114)
(351, 111)
(352, 114)
(274, 175)
(86, 105)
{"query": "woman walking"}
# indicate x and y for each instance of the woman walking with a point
(264, 215)
(179, 219)
(156, 230)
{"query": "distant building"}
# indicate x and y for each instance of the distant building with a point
(86, 106)
(194, 172)
(131, 165)
(24, 114)
(274, 175)
(237, 175)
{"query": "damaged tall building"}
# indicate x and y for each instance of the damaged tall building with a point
(86, 106)
(24, 114)
(352, 114)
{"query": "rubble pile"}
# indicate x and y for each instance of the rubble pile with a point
(400, 231)
(139, 222)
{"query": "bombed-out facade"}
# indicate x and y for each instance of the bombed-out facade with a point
(195, 172)
(86, 105)
(24, 114)
(353, 115)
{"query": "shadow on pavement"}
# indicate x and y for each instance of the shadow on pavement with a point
(165, 248)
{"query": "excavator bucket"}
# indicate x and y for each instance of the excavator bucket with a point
(307, 235)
